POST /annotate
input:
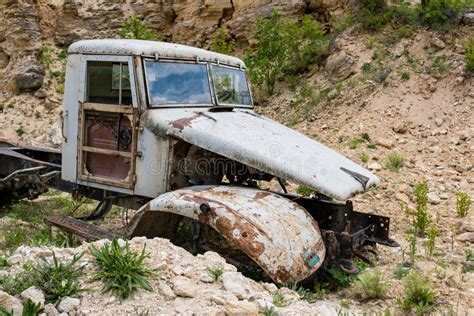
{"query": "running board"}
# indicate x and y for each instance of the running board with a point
(81, 228)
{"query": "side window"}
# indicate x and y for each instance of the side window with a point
(108, 82)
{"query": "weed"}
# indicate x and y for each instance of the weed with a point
(470, 255)
(31, 309)
(439, 66)
(12, 239)
(304, 294)
(374, 15)
(279, 300)
(135, 28)
(320, 290)
(418, 294)
(371, 146)
(469, 54)
(339, 25)
(16, 284)
(63, 53)
(221, 44)
(370, 285)
(354, 143)
(60, 88)
(122, 270)
(400, 32)
(441, 15)
(20, 131)
(45, 237)
(463, 203)
(269, 311)
(400, 272)
(215, 272)
(394, 161)
(343, 279)
(304, 190)
(430, 244)
(44, 56)
(405, 75)
(57, 279)
(366, 137)
(11, 105)
(369, 42)
(3, 262)
(345, 303)
(364, 157)
(5, 312)
(37, 114)
(411, 237)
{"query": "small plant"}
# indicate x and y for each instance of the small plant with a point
(122, 270)
(12, 239)
(5, 312)
(135, 28)
(394, 161)
(3, 262)
(430, 244)
(16, 284)
(302, 292)
(370, 285)
(269, 311)
(441, 15)
(470, 255)
(369, 42)
(320, 290)
(345, 303)
(44, 56)
(366, 67)
(364, 157)
(469, 53)
(304, 190)
(20, 131)
(400, 272)
(405, 75)
(37, 114)
(58, 280)
(354, 143)
(279, 300)
(420, 217)
(215, 272)
(220, 43)
(463, 203)
(31, 309)
(371, 146)
(439, 66)
(366, 137)
(62, 54)
(418, 294)
(411, 237)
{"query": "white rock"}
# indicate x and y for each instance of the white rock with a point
(219, 300)
(236, 283)
(206, 278)
(50, 310)
(68, 304)
(166, 291)
(178, 270)
(241, 308)
(15, 259)
(433, 198)
(34, 294)
(11, 303)
(184, 287)
(374, 166)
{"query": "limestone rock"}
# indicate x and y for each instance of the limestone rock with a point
(241, 308)
(235, 283)
(50, 310)
(374, 166)
(468, 236)
(433, 198)
(68, 304)
(34, 294)
(166, 291)
(9, 303)
(340, 66)
(184, 287)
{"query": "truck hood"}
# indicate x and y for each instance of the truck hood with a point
(261, 143)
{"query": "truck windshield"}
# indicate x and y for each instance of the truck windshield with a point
(177, 83)
(230, 86)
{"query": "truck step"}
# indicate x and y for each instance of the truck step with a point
(81, 228)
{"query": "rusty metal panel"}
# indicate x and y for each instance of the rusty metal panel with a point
(278, 234)
(261, 143)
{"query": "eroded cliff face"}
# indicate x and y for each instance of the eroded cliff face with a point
(25, 26)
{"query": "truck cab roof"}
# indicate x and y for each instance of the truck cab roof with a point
(155, 49)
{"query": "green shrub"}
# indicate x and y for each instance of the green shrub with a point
(404, 14)
(31, 309)
(463, 203)
(405, 75)
(400, 272)
(122, 270)
(370, 285)
(417, 294)
(284, 46)
(374, 14)
(44, 56)
(269, 311)
(394, 161)
(15, 284)
(220, 43)
(57, 279)
(430, 244)
(364, 157)
(20, 131)
(355, 142)
(134, 28)
(215, 272)
(441, 14)
(469, 53)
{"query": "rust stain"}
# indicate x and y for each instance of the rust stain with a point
(281, 275)
(261, 195)
(183, 122)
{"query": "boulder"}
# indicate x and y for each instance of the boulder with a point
(34, 294)
(30, 78)
(340, 66)
(236, 284)
(10, 303)
(68, 304)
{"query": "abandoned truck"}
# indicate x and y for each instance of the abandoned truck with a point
(169, 131)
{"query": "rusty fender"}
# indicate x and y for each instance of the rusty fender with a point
(279, 235)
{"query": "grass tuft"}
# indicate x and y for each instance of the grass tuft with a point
(279, 300)
(463, 203)
(215, 272)
(121, 269)
(394, 161)
(418, 294)
(370, 285)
